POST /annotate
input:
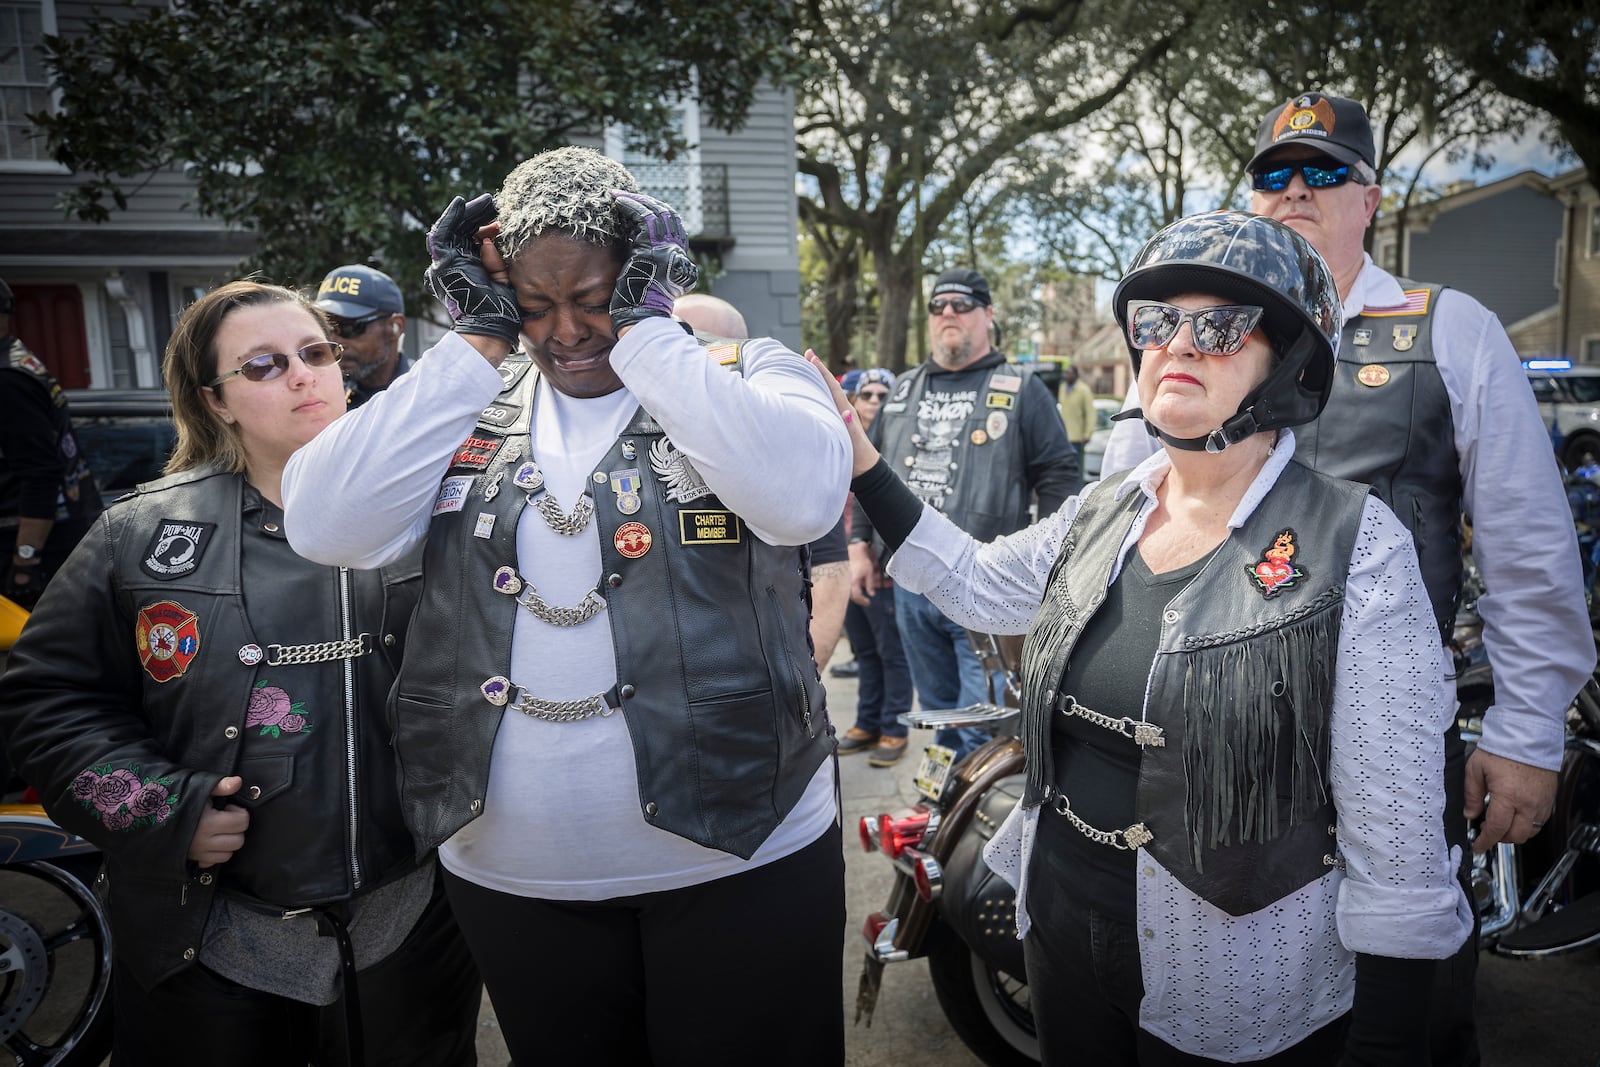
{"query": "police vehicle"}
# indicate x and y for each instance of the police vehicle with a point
(1569, 402)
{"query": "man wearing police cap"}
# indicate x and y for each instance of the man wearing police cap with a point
(1430, 406)
(978, 439)
(369, 317)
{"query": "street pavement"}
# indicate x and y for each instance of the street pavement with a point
(1530, 1014)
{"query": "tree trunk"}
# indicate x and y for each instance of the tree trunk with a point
(897, 290)
(839, 293)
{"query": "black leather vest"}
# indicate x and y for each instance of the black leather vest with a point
(710, 626)
(1237, 800)
(1388, 424)
(988, 485)
(77, 498)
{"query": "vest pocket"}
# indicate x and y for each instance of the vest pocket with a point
(800, 697)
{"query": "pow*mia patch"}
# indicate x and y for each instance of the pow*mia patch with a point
(176, 548)
(167, 636)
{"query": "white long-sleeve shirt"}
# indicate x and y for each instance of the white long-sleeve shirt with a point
(1240, 988)
(769, 443)
(1535, 623)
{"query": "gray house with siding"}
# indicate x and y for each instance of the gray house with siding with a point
(98, 302)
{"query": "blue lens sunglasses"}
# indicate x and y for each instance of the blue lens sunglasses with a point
(1317, 175)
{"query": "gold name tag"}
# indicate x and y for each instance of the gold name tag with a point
(708, 528)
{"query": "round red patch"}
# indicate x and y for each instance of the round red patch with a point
(633, 539)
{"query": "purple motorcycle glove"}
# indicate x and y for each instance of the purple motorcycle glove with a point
(477, 303)
(659, 268)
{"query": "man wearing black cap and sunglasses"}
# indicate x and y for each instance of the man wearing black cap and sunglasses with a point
(369, 319)
(978, 440)
(1430, 406)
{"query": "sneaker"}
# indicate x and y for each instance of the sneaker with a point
(853, 740)
(888, 751)
(845, 670)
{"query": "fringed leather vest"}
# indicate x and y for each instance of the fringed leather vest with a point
(1242, 687)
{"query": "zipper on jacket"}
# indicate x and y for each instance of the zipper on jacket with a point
(349, 725)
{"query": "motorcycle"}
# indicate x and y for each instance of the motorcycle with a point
(55, 938)
(946, 904)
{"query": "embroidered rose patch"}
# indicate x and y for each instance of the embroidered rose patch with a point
(271, 709)
(121, 799)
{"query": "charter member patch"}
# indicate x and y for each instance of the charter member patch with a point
(708, 528)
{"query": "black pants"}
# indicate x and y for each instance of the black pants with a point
(1085, 983)
(883, 683)
(746, 969)
(419, 1008)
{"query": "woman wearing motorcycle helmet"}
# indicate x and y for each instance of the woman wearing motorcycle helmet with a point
(1229, 845)
(207, 707)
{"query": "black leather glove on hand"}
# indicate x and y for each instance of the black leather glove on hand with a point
(476, 302)
(23, 583)
(659, 268)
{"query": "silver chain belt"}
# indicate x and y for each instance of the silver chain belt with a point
(1141, 733)
(1136, 836)
(546, 505)
(508, 581)
(319, 652)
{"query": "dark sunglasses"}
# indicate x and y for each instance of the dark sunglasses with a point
(874, 394)
(959, 304)
(1318, 174)
(269, 365)
(357, 327)
(1218, 331)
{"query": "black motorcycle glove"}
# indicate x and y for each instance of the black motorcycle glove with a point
(659, 268)
(23, 583)
(476, 302)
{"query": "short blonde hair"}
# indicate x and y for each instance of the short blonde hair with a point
(191, 362)
(566, 191)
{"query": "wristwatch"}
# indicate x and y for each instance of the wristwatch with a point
(26, 552)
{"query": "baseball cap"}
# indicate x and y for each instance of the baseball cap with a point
(966, 282)
(355, 291)
(1335, 126)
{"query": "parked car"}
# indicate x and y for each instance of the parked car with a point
(1095, 449)
(126, 435)
(1569, 401)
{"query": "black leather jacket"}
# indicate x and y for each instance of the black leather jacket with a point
(183, 642)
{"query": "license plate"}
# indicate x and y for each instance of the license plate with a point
(934, 771)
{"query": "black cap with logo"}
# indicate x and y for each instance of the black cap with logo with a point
(1335, 126)
(964, 281)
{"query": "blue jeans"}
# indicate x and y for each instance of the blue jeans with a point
(944, 667)
(883, 684)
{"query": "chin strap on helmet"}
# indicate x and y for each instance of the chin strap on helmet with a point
(1233, 431)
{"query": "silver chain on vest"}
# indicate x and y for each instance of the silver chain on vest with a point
(568, 525)
(319, 652)
(561, 710)
(1136, 836)
(1140, 733)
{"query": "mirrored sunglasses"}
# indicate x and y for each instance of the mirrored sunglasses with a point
(269, 365)
(959, 304)
(1318, 174)
(1218, 331)
(356, 327)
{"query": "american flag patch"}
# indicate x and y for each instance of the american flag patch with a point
(1416, 304)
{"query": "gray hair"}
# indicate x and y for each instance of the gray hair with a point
(564, 190)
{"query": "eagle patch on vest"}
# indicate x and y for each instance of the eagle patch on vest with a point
(1274, 572)
(176, 548)
(682, 482)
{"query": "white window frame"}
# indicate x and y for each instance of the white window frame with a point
(47, 26)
